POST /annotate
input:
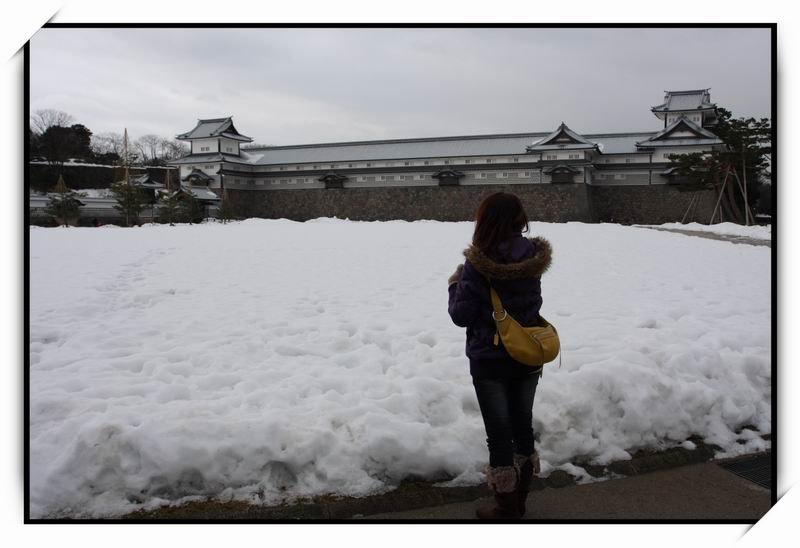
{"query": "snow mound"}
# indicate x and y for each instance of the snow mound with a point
(268, 359)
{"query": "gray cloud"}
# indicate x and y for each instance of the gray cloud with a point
(288, 86)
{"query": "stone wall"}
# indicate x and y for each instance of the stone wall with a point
(645, 204)
(552, 203)
(648, 204)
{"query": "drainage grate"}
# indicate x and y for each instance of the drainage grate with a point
(757, 469)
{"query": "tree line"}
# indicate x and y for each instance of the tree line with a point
(171, 206)
(737, 172)
(56, 137)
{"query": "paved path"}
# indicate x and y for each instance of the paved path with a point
(699, 491)
(713, 236)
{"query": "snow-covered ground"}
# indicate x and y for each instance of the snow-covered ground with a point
(726, 229)
(265, 359)
(96, 192)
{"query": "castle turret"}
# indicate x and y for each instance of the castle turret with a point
(215, 135)
(695, 105)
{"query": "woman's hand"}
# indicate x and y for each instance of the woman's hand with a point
(455, 276)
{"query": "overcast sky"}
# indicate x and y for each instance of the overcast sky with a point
(292, 86)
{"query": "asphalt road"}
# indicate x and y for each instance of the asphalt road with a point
(698, 491)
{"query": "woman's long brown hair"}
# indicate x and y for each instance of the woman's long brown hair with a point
(499, 217)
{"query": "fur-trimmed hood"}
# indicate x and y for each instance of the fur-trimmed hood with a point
(527, 268)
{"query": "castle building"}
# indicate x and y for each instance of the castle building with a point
(563, 156)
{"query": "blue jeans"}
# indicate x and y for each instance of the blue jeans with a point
(507, 409)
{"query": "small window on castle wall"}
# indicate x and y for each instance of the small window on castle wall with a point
(407, 163)
(467, 161)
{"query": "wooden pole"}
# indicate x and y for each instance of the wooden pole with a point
(691, 203)
(749, 219)
(127, 172)
(694, 208)
(744, 191)
(719, 200)
(729, 203)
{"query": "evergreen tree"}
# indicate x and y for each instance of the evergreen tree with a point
(169, 207)
(191, 210)
(64, 205)
(130, 200)
(744, 159)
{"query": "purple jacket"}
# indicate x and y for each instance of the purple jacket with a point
(515, 270)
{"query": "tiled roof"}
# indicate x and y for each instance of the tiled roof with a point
(398, 149)
(199, 192)
(561, 138)
(446, 147)
(214, 127)
(702, 135)
(686, 100)
(198, 174)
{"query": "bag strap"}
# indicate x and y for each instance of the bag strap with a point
(498, 312)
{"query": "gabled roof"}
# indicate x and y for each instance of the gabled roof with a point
(144, 181)
(333, 177)
(198, 174)
(561, 138)
(693, 99)
(199, 192)
(668, 136)
(560, 168)
(214, 127)
(445, 173)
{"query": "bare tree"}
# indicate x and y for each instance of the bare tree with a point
(46, 118)
(107, 143)
(173, 149)
(149, 147)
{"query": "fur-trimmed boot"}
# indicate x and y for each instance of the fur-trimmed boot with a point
(503, 482)
(526, 467)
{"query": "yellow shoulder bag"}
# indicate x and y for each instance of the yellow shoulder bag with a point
(534, 346)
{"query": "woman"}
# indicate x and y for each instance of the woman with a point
(505, 387)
